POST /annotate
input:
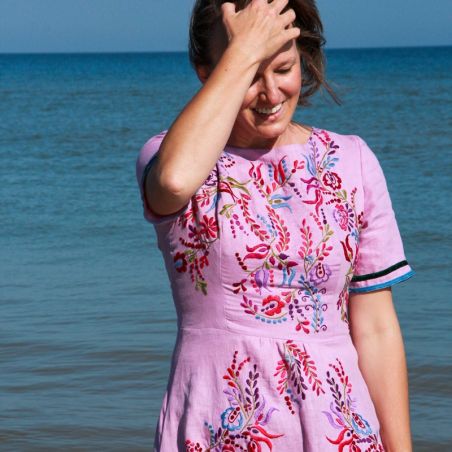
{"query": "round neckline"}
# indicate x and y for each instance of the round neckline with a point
(263, 151)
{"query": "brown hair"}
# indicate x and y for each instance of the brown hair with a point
(206, 15)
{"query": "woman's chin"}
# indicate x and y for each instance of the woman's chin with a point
(271, 131)
(260, 135)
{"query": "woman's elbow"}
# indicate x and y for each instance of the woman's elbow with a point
(165, 193)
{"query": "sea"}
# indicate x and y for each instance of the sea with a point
(87, 322)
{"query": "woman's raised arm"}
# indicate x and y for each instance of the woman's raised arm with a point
(196, 139)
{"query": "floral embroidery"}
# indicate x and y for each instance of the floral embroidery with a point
(313, 261)
(209, 227)
(355, 432)
(269, 263)
(332, 180)
(320, 273)
(327, 183)
(244, 424)
(200, 233)
(296, 371)
(343, 216)
(272, 254)
(298, 304)
(180, 262)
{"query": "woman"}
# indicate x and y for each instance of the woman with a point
(281, 246)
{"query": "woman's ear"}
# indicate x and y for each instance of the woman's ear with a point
(203, 73)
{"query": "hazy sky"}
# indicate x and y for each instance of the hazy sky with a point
(161, 25)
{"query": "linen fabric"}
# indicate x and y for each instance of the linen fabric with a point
(262, 262)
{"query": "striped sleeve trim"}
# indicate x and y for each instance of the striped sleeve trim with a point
(381, 273)
(382, 285)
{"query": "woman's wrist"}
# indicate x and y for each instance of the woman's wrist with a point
(243, 57)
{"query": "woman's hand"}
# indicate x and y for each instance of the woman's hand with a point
(259, 30)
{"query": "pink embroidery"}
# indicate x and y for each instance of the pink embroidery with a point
(244, 424)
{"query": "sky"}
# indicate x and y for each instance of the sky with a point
(162, 25)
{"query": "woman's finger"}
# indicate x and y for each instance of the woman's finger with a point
(288, 17)
(279, 5)
(293, 33)
(228, 9)
(288, 35)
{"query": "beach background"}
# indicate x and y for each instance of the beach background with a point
(87, 324)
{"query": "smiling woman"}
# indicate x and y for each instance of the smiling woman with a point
(270, 102)
(281, 246)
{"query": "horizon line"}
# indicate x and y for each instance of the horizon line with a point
(118, 52)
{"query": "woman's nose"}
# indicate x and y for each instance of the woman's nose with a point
(269, 91)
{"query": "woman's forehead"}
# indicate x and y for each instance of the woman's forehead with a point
(287, 54)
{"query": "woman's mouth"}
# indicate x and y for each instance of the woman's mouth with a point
(268, 111)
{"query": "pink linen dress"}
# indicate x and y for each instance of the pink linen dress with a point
(261, 263)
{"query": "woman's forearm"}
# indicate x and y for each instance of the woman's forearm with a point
(194, 142)
(383, 364)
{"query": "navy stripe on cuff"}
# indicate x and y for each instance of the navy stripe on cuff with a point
(382, 285)
(388, 270)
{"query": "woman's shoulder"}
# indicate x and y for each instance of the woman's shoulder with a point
(354, 153)
(150, 148)
(155, 140)
(309, 134)
(351, 145)
(327, 136)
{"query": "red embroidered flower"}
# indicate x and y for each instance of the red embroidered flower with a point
(191, 446)
(340, 214)
(344, 216)
(180, 262)
(209, 227)
(203, 198)
(361, 223)
(332, 180)
(272, 305)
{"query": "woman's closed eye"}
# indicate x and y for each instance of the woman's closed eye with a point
(284, 70)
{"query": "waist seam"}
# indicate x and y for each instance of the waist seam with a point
(303, 339)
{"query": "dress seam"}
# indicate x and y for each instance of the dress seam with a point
(239, 334)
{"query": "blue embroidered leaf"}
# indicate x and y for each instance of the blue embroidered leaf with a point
(310, 165)
(284, 276)
(277, 206)
(292, 276)
(276, 196)
(214, 203)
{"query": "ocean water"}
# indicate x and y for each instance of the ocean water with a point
(87, 324)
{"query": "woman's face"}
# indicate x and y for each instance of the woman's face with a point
(270, 102)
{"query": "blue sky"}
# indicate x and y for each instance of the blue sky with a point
(161, 25)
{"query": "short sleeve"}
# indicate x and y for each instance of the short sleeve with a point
(380, 260)
(146, 158)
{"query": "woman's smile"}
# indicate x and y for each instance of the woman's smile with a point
(270, 102)
(270, 114)
(268, 110)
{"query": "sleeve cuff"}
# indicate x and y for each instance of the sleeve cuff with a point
(378, 280)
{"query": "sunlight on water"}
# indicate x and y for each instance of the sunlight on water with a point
(88, 324)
